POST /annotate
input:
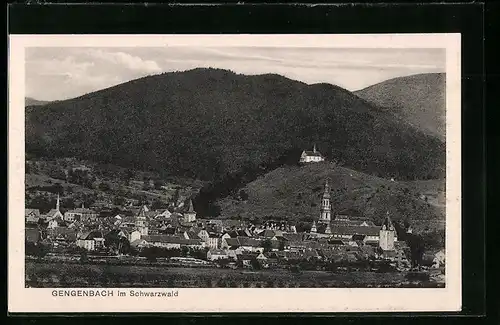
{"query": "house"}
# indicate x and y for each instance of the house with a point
(167, 241)
(138, 244)
(233, 252)
(213, 240)
(247, 258)
(62, 235)
(225, 236)
(90, 240)
(134, 235)
(81, 214)
(239, 233)
(164, 215)
(261, 257)
(164, 241)
(349, 232)
(439, 259)
(311, 254)
(250, 244)
(54, 222)
(229, 242)
(203, 234)
(31, 215)
(216, 254)
(191, 234)
(296, 245)
(311, 156)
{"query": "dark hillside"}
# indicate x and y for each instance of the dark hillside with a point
(208, 123)
(294, 193)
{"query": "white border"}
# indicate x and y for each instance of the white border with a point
(21, 299)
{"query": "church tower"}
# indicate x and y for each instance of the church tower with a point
(325, 214)
(190, 213)
(387, 235)
(140, 221)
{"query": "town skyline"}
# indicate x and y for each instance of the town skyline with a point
(62, 73)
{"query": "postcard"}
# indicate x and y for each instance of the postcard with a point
(234, 173)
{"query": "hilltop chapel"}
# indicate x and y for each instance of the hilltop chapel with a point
(311, 156)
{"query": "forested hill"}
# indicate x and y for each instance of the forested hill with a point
(418, 99)
(208, 123)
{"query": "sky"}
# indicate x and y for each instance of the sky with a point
(67, 72)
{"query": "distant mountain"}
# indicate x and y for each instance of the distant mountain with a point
(418, 99)
(28, 101)
(214, 124)
(293, 192)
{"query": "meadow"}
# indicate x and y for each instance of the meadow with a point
(50, 275)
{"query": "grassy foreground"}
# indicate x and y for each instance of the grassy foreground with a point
(40, 274)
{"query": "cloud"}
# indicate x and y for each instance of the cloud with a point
(130, 61)
(59, 73)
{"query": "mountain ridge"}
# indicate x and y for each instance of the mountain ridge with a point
(211, 123)
(418, 99)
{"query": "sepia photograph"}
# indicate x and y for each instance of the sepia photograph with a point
(250, 162)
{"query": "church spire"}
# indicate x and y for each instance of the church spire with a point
(57, 203)
(190, 207)
(314, 148)
(326, 193)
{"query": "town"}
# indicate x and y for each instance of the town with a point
(178, 236)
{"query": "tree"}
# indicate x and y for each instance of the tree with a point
(158, 184)
(416, 245)
(84, 256)
(185, 251)
(281, 245)
(128, 175)
(176, 196)
(103, 186)
(151, 253)
(255, 264)
(158, 204)
(243, 195)
(267, 245)
(119, 200)
(68, 203)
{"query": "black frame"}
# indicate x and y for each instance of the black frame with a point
(467, 19)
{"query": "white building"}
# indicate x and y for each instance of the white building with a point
(311, 156)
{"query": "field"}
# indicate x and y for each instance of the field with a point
(41, 274)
